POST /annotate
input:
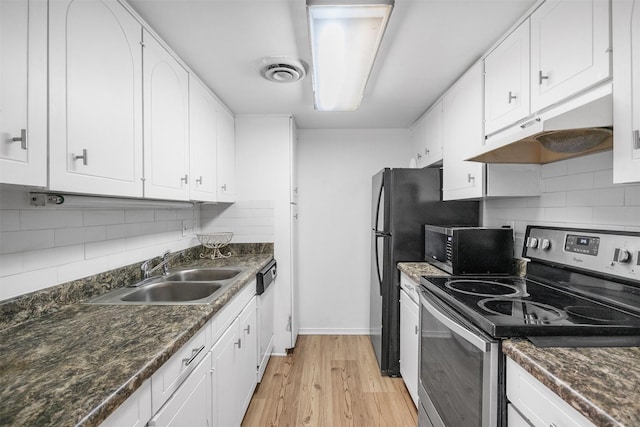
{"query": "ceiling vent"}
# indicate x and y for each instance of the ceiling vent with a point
(282, 70)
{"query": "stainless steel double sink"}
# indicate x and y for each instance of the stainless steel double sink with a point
(193, 286)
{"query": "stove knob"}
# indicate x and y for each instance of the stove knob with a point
(622, 255)
(545, 245)
(532, 242)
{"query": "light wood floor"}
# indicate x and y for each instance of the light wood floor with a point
(329, 381)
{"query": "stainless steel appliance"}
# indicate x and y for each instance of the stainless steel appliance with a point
(469, 250)
(265, 305)
(402, 201)
(582, 288)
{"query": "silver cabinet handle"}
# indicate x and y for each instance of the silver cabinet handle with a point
(511, 97)
(426, 151)
(470, 177)
(248, 329)
(239, 343)
(22, 139)
(541, 77)
(529, 123)
(417, 330)
(199, 180)
(636, 139)
(418, 156)
(224, 187)
(185, 178)
(84, 157)
(194, 353)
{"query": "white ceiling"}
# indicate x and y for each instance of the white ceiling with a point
(427, 46)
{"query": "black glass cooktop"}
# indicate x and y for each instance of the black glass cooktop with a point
(506, 307)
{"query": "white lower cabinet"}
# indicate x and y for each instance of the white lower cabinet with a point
(134, 412)
(191, 404)
(409, 340)
(537, 404)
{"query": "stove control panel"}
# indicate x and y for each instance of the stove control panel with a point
(601, 251)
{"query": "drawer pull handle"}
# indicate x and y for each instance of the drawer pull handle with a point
(636, 139)
(530, 123)
(185, 179)
(199, 180)
(248, 329)
(194, 354)
(541, 77)
(417, 330)
(239, 343)
(512, 97)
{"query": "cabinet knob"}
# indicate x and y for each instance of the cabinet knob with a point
(511, 97)
(23, 139)
(541, 77)
(83, 157)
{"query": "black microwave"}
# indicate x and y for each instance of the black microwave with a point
(469, 250)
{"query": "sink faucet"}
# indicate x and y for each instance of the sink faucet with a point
(166, 257)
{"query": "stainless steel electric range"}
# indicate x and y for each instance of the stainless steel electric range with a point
(582, 288)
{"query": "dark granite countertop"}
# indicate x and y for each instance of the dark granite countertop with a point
(75, 365)
(603, 384)
(415, 270)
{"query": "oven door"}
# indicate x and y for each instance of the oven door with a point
(459, 370)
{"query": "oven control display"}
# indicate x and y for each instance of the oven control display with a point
(587, 245)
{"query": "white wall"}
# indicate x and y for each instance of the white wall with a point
(576, 193)
(334, 177)
(45, 246)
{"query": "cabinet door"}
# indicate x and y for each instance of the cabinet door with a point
(134, 412)
(419, 141)
(626, 91)
(248, 356)
(95, 98)
(23, 92)
(462, 134)
(506, 84)
(570, 49)
(191, 404)
(202, 138)
(226, 166)
(433, 134)
(409, 342)
(224, 355)
(166, 124)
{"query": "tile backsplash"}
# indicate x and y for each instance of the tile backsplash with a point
(575, 193)
(45, 246)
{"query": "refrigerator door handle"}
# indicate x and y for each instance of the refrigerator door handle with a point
(379, 236)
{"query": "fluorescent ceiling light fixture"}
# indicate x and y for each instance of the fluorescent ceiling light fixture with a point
(344, 42)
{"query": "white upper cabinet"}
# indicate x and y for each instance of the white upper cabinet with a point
(95, 66)
(462, 133)
(202, 138)
(226, 159)
(23, 92)
(507, 81)
(166, 123)
(570, 49)
(426, 137)
(626, 91)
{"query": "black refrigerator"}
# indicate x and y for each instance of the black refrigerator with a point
(402, 201)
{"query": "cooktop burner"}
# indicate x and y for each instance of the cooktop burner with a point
(482, 287)
(529, 311)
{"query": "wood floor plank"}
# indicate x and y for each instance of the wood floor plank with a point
(329, 380)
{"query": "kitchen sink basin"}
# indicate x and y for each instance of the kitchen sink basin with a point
(203, 274)
(192, 286)
(173, 292)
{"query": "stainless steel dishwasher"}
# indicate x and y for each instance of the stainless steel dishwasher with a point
(266, 301)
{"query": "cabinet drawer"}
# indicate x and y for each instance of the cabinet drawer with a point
(168, 378)
(537, 403)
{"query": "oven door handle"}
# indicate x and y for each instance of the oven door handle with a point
(477, 341)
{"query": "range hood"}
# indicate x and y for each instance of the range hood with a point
(581, 125)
